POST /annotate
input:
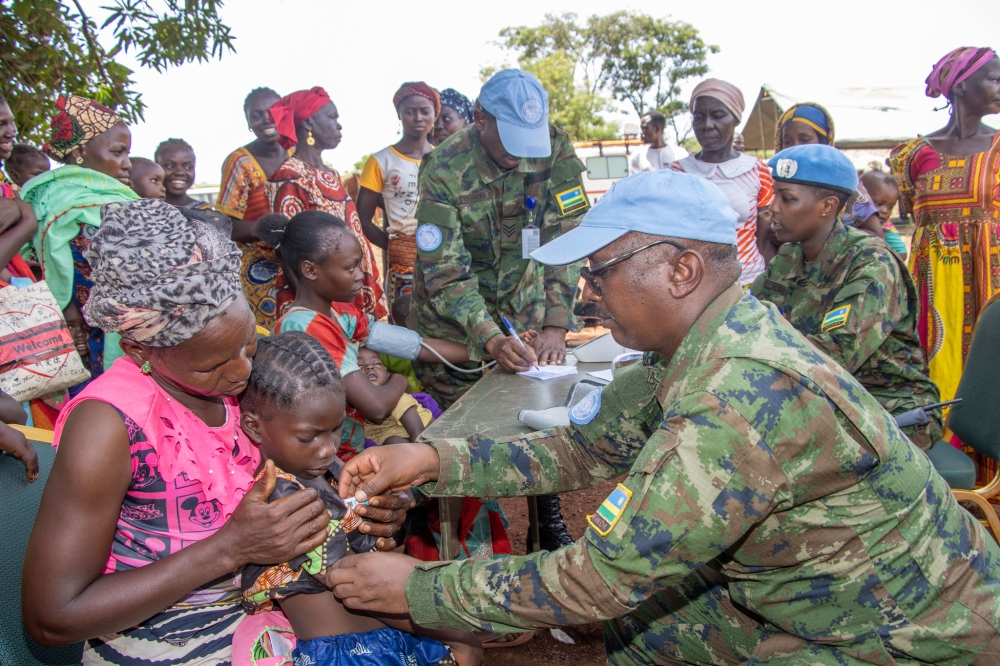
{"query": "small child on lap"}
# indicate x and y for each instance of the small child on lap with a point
(293, 409)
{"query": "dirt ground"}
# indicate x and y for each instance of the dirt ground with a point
(543, 648)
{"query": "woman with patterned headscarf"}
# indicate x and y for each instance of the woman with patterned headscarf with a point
(151, 506)
(950, 181)
(456, 113)
(810, 123)
(308, 121)
(93, 144)
(389, 181)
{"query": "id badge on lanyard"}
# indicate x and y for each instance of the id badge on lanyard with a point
(531, 236)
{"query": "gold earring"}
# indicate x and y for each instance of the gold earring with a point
(310, 141)
(79, 160)
(146, 368)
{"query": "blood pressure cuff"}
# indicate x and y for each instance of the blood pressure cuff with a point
(393, 340)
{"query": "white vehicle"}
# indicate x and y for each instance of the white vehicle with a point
(205, 194)
(606, 161)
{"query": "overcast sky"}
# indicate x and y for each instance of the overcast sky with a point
(362, 51)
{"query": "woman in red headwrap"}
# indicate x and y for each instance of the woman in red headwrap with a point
(950, 181)
(308, 122)
(389, 180)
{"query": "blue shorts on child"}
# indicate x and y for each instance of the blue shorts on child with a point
(385, 647)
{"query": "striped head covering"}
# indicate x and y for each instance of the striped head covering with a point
(723, 91)
(159, 276)
(458, 101)
(417, 88)
(956, 67)
(809, 113)
(79, 120)
(289, 112)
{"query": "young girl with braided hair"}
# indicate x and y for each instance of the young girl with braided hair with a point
(293, 410)
(321, 257)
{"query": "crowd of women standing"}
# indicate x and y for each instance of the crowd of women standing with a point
(184, 319)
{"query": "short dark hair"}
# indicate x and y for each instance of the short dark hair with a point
(22, 152)
(171, 143)
(253, 93)
(881, 177)
(656, 119)
(285, 367)
(825, 192)
(305, 237)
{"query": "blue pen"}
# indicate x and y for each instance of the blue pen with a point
(513, 332)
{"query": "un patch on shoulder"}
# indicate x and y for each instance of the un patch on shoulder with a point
(607, 515)
(428, 237)
(572, 200)
(835, 318)
(584, 411)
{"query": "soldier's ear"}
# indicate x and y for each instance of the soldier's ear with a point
(479, 119)
(688, 270)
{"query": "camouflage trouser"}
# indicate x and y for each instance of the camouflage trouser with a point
(696, 622)
(444, 384)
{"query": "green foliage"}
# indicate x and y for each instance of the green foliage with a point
(626, 56)
(50, 46)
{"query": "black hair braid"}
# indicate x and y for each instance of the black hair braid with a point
(253, 93)
(286, 366)
(305, 237)
(171, 143)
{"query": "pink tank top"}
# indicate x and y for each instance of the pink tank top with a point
(187, 477)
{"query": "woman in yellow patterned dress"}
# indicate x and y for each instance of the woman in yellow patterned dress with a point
(244, 171)
(950, 181)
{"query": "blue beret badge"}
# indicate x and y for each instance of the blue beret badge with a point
(584, 411)
(428, 237)
(786, 168)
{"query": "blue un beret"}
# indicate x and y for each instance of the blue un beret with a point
(815, 164)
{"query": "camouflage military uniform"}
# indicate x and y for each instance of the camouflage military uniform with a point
(462, 287)
(858, 304)
(773, 513)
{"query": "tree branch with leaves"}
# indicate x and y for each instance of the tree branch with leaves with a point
(49, 47)
(625, 56)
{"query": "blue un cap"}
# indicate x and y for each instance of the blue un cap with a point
(815, 164)
(521, 107)
(661, 203)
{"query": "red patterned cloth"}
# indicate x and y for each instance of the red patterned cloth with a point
(297, 186)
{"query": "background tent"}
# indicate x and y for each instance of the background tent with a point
(868, 122)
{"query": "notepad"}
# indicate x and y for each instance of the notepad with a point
(545, 372)
(604, 375)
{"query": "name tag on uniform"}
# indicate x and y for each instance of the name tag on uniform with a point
(835, 318)
(531, 239)
(572, 200)
(607, 515)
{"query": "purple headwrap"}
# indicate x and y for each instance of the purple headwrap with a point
(956, 67)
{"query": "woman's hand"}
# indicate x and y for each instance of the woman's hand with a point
(266, 533)
(381, 468)
(388, 512)
(16, 444)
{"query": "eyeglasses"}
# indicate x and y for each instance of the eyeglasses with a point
(591, 273)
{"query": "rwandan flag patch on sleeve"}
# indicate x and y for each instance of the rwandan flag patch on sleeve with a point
(835, 318)
(572, 200)
(607, 515)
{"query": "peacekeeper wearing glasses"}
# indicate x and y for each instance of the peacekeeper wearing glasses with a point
(772, 512)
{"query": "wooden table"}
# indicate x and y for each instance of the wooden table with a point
(491, 406)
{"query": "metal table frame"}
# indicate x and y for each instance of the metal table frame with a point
(491, 406)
